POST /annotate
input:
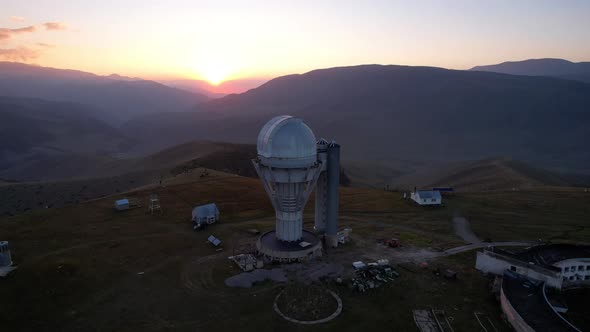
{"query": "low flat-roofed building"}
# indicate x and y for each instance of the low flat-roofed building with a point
(426, 197)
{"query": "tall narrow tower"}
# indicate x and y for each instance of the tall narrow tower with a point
(326, 195)
(321, 191)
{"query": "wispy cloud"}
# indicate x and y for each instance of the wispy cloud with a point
(54, 26)
(45, 45)
(19, 54)
(25, 53)
(17, 18)
(6, 33)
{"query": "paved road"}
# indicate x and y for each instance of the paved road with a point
(472, 246)
(463, 230)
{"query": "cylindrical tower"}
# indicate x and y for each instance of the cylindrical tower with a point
(5, 258)
(288, 168)
(321, 191)
(333, 174)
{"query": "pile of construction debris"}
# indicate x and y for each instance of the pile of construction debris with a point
(372, 275)
(247, 262)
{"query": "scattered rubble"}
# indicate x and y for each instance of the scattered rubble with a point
(372, 275)
(247, 262)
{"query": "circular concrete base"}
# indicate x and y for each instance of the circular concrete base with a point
(310, 322)
(280, 251)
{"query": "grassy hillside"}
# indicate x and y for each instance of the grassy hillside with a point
(485, 175)
(87, 267)
(109, 176)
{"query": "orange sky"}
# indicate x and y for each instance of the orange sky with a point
(240, 39)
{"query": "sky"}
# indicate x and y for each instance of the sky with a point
(223, 40)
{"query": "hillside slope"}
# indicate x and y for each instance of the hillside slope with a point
(40, 138)
(487, 174)
(559, 68)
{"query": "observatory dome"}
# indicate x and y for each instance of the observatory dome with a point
(287, 142)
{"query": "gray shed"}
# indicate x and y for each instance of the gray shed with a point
(205, 214)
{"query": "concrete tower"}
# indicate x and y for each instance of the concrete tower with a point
(321, 192)
(289, 164)
(326, 203)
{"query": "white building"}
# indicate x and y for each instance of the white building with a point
(426, 197)
(527, 277)
(496, 263)
(205, 215)
(558, 265)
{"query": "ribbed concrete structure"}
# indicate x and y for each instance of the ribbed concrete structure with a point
(290, 162)
(287, 165)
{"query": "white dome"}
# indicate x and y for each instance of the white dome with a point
(285, 141)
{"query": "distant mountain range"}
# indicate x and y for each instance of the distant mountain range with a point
(405, 113)
(559, 68)
(381, 115)
(115, 98)
(215, 91)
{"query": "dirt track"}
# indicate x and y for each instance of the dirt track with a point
(463, 230)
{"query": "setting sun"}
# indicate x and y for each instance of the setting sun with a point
(214, 72)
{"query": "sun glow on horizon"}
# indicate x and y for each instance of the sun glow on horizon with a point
(214, 70)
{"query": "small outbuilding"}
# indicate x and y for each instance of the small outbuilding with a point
(122, 204)
(126, 204)
(205, 215)
(427, 197)
(5, 258)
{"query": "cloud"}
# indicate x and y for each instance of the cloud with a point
(54, 26)
(6, 33)
(45, 45)
(19, 54)
(17, 18)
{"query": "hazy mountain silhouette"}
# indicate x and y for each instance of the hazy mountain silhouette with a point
(115, 98)
(405, 113)
(560, 68)
(39, 137)
(416, 115)
(215, 91)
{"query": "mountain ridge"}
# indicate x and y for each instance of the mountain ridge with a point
(427, 114)
(116, 98)
(551, 67)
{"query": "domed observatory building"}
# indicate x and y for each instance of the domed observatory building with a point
(289, 167)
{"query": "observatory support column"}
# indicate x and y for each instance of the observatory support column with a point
(321, 189)
(321, 201)
(333, 174)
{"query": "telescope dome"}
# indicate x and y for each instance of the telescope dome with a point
(287, 142)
